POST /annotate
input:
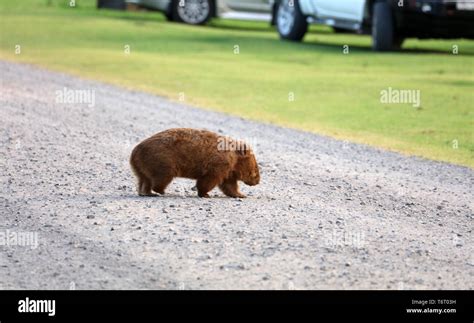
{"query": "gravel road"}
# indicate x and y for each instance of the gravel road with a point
(328, 214)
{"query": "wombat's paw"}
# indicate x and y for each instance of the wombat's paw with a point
(204, 195)
(239, 195)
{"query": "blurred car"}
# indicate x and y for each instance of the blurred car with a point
(389, 21)
(198, 12)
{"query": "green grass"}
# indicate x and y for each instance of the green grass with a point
(335, 94)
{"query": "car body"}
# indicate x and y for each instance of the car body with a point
(389, 21)
(206, 9)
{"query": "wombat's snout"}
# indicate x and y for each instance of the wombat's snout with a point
(253, 180)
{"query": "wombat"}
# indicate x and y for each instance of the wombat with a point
(211, 159)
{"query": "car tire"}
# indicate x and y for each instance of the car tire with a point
(169, 13)
(193, 12)
(290, 21)
(383, 27)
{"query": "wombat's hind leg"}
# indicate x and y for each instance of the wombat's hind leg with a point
(160, 184)
(230, 187)
(144, 187)
(206, 184)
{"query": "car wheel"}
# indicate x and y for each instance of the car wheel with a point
(194, 12)
(383, 27)
(169, 14)
(290, 21)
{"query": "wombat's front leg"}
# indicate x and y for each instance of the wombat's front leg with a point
(230, 187)
(206, 184)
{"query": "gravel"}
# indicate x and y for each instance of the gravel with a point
(328, 214)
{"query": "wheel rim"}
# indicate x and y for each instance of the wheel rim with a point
(286, 17)
(194, 11)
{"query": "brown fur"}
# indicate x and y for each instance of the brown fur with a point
(194, 154)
